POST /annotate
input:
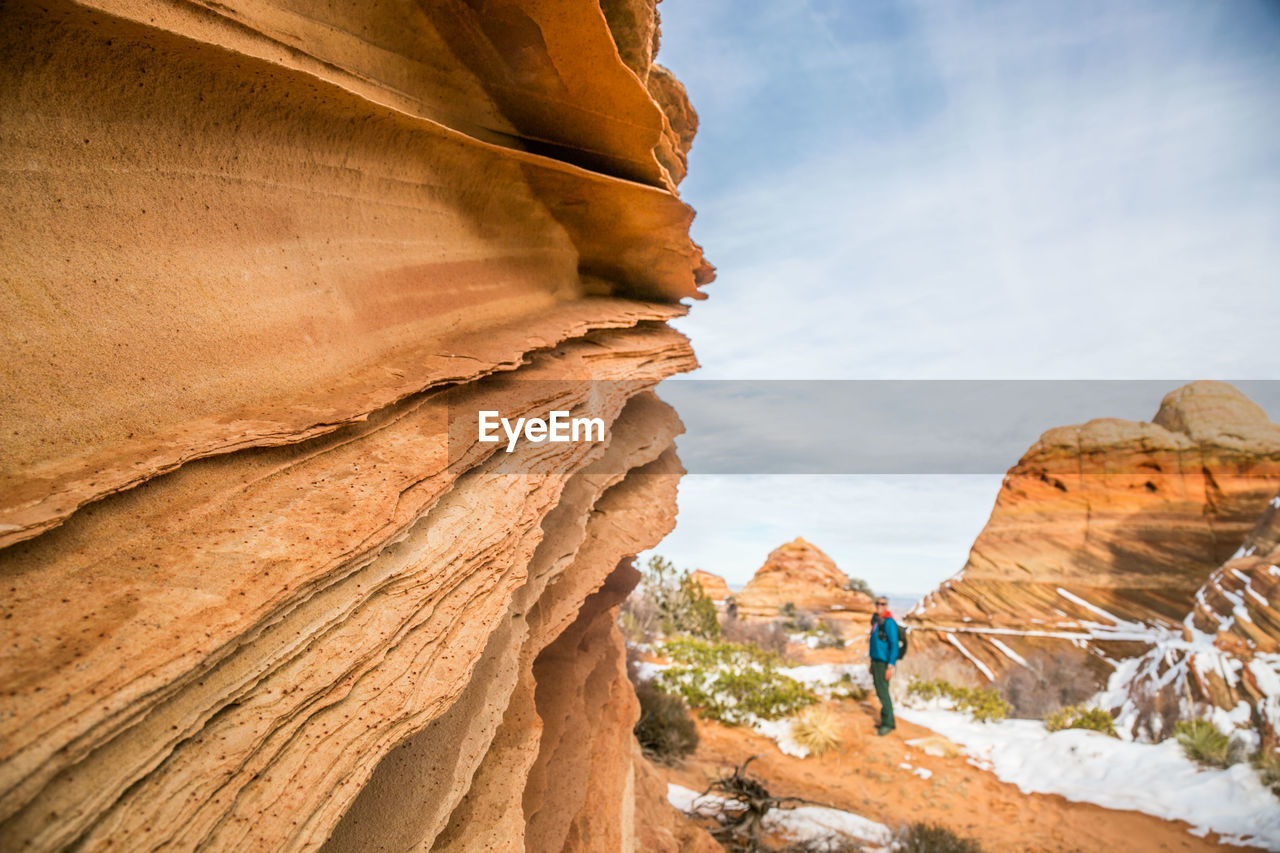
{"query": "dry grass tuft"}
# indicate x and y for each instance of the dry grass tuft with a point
(817, 729)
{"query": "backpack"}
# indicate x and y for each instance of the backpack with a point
(902, 638)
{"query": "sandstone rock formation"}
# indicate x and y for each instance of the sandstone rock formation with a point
(263, 264)
(800, 573)
(1226, 658)
(713, 585)
(1103, 533)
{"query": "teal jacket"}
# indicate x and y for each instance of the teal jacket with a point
(886, 649)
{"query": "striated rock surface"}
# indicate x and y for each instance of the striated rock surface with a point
(713, 585)
(264, 262)
(800, 573)
(1103, 533)
(1226, 659)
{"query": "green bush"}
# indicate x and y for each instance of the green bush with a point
(933, 838)
(1080, 717)
(1204, 744)
(766, 636)
(730, 683)
(665, 729)
(824, 635)
(859, 585)
(1267, 763)
(794, 619)
(670, 601)
(984, 704)
(846, 688)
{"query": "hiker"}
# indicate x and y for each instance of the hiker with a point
(884, 654)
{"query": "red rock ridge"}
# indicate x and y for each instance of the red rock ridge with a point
(800, 573)
(1104, 532)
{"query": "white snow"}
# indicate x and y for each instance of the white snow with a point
(1090, 767)
(815, 823)
(825, 675)
(1265, 669)
(979, 664)
(922, 772)
(1008, 652)
(1086, 605)
(801, 824)
(646, 670)
(780, 731)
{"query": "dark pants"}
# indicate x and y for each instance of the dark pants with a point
(882, 692)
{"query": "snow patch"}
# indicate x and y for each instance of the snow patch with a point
(1008, 652)
(780, 732)
(1090, 767)
(804, 824)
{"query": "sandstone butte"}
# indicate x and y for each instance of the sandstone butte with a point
(713, 585)
(800, 573)
(264, 261)
(1108, 535)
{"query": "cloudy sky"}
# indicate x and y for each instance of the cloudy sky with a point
(968, 190)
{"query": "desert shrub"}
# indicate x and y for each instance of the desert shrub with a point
(638, 619)
(847, 688)
(935, 662)
(933, 838)
(1204, 744)
(766, 636)
(794, 619)
(1048, 682)
(1079, 717)
(859, 585)
(828, 637)
(984, 704)
(731, 683)
(823, 636)
(665, 729)
(668, 601)
(1267, 763)
(817, 729)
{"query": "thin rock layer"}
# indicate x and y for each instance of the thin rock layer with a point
(263, 264)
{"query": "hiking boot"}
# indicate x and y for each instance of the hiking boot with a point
(884, 730)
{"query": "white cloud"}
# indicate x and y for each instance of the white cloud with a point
(901, 533)
(967, 190)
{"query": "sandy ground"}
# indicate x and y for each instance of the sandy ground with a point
(863, 776)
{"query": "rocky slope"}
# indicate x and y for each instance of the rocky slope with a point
(1226, 659)
(713, 585)
(1103, 533)
(800, 573)
(264, 263)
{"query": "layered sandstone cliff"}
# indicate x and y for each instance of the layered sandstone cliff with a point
(801, 574)
(1226, 659)
(263, 264)
(1103, 533)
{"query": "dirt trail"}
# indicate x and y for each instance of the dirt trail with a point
(864, 777)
